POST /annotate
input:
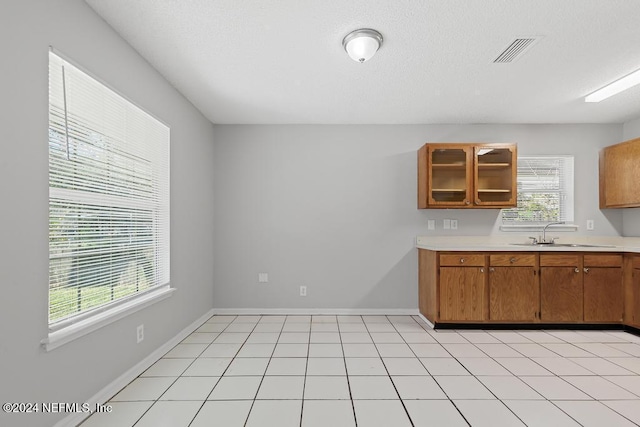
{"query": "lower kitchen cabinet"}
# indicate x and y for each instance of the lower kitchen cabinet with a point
(529, 287)
(514, 290)
(635, 291)
(603, 290)
(462, 293)
(462, 287)
(561, 292)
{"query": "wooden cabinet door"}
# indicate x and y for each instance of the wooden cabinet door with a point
(619, 175)
(495, 175)
(561, 294)
(449, 171)
(462, 293)
(635, 313)
(603, 294)
(514, 294)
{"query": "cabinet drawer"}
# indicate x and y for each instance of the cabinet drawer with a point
(473, 260)
(513, 259)
(603, 260)
(560, 260)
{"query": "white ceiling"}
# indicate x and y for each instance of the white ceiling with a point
(282, 62)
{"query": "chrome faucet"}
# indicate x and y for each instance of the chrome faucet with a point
(543, 239)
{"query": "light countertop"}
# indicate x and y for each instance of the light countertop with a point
(512, 244)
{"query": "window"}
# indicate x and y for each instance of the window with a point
(545, 191)
(108, 198)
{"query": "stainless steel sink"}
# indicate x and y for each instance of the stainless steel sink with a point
(562, 245)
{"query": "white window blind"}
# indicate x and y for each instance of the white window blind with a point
(545, 191)
(108, 197)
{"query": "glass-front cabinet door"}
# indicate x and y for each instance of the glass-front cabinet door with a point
(450, 173)
(495, 175)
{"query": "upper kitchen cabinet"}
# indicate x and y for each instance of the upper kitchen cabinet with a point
(445, 173)
(620, 175)
(467, 176)
(495, 176)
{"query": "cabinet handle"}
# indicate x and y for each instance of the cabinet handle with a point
(482, 270)
(467, 202)
(577, 270)
(461, 260)
(512, 260)
(491, 270)
(586, 271)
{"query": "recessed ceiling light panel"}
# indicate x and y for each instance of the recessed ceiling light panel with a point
(614, 88)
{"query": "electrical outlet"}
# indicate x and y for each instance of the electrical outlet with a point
(303, 291)
(454, 224)
(590, 224)
(263, 277)
(140, 333)
(431, 224)
(446, 224)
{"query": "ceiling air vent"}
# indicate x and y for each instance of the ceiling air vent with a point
(516, 49)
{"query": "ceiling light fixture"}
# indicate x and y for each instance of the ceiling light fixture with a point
(362, 44)
(614, 88)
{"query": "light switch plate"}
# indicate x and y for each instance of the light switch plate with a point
(431, 224)
(454, 224)
(590, 225)
(446, 224)
(263, 277)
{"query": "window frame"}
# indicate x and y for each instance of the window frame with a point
(70, 327)
(565, 191)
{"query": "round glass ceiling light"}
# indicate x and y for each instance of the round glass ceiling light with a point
(362, 44)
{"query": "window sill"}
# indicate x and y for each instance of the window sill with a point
(86, 326)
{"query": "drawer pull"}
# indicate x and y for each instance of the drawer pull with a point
(577, 270)
(586, 271)
(461, 260)
(512, 260)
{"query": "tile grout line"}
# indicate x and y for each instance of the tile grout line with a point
(306, 368)
(225, 370)
(553, 375)
(194, 360)
(476, 378)
(344, 360)
(179, 376)
(436, 381)
(264, 374)
(391, 379)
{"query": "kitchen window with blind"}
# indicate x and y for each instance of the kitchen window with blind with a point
(545, 191)
(108, 200)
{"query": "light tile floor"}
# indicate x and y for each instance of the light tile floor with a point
(382, 371)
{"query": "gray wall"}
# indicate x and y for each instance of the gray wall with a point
(334, 207)
(78, 370)
(631, 216)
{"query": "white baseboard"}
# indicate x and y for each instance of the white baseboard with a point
(119, 383)
(426, 320)
(318, 311)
